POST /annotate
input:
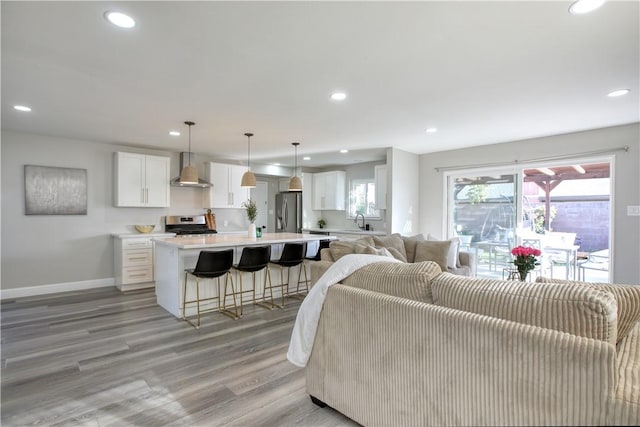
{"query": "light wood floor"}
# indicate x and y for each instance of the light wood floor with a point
(101, 357)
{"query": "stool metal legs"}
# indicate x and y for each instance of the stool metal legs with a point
(264, 303)
(222, 299)
(299, 295)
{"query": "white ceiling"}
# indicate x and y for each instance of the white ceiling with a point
(481, 72)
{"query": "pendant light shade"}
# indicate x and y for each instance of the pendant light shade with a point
(189, 174)
(296, 183)
(248, 179)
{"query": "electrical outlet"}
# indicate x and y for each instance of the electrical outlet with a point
(633, 210)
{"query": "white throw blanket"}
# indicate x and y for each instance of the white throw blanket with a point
(304, 330)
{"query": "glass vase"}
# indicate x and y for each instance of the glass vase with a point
(523, 273)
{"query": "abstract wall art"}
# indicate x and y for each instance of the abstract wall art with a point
(55, 191)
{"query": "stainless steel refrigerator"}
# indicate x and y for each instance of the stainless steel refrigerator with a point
(289, 212)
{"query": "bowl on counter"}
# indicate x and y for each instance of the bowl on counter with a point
(145, 228)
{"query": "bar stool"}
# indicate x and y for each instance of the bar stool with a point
(210, 265)
(254, 259)
(292, 255)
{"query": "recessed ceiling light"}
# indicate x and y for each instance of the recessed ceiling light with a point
(431, 130)
(119, 19)
(174, 133)
(343, 151)
(306, 158)
(338, 96)
(619, 92)
(276, 164)
(584, 6)
(22, 108)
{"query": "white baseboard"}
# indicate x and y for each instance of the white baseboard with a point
(30, 291)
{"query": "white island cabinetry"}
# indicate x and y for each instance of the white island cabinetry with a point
(134, 260)
(173, 255)
(226, 191)
(142, 180)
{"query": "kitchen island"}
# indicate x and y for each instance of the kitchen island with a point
(174, 255)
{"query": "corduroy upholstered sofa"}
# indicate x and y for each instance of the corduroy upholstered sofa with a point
(406, 345)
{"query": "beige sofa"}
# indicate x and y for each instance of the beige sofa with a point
(406, 249)
(406, 345)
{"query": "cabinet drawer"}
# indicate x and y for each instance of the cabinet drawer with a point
(136, 244)
(137, 274)
(137, 257)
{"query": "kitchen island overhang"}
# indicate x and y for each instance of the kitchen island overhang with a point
(174, 255)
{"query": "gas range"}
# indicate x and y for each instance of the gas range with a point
(186, 225)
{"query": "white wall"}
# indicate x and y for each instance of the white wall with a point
(404, 192)
(626, 180)
(79, 248)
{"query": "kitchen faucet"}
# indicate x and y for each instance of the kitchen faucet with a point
(361, 227)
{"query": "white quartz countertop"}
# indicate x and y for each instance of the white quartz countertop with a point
(132, 235)
(227, 240)
(345, 231)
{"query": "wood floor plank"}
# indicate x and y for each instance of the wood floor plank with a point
(106, 358)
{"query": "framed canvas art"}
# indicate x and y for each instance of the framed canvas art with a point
(55, 191)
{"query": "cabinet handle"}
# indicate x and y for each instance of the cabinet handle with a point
(142, 195)
(138, 275)
(138, 257)
(146, 195)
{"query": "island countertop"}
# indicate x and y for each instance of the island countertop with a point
(226, 240)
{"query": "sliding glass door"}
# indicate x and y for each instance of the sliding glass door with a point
(561, 208)
(483, 212)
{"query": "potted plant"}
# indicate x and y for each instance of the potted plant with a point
(321, 223)
(252, 212)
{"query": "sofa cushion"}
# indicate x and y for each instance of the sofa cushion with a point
(627, 299)
(436, 251)
(583, 311)
(394, 243)
(410, 245)
(406, 280)
(340, 248)
(452, 257)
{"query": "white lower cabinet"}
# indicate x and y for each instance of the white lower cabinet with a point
(133, 260)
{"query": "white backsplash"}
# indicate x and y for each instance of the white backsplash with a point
(339, 220)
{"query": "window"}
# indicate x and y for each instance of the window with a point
(362, 198)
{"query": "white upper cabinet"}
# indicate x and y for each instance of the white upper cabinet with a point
(381, 186)
(142, 180)
(225, 191)
(329, 190)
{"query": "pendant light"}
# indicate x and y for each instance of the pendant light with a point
(248, 179)
(189, 174)
(296, 183)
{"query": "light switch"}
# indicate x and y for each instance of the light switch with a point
(633, 210)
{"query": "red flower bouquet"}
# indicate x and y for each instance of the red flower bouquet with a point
(525, 260)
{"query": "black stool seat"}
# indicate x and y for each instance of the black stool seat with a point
(210, 265)
(252, 260)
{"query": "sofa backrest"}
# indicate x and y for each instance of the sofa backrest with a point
(627, 299)
(405, 280)
(578, 310)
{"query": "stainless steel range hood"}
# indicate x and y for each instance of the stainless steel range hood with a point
(184, 160)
